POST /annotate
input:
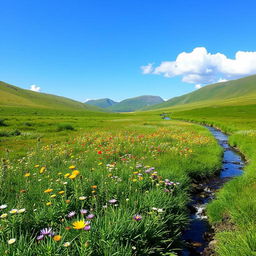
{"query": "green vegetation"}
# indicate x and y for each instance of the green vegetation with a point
(242, 91)
(132, 104)
(14, 96)
(102, 103)
(145, 163)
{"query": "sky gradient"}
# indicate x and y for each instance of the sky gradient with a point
(87, 49)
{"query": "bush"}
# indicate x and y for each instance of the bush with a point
(2, 122)
(64, 127)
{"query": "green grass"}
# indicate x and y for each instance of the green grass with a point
(234, 210)
(242, 91)
(112, 152)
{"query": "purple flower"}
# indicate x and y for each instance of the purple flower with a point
(83, 211)
(112, 201)
(137, 217)
(47, 232)
(87, 226)
(71, 214)
(90, 216)
(40, 237)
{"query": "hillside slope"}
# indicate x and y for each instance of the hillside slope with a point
(132, 104)
(102, 103)
(17, 97)
(243, 89)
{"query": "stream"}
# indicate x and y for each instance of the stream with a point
(199, 233)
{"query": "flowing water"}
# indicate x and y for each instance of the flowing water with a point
(197, 235)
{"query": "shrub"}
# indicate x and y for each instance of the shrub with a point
(2, 122)
(64, 127)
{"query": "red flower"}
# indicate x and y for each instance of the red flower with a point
(99, 152)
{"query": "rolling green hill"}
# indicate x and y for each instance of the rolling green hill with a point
(132, 104)
(241, 90)
(102, 103)
(12, 96)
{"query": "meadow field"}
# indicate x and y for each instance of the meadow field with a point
(97, 183)
(233, 212)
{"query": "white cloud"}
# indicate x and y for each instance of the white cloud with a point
(198, 86)
(35, 88)
(201, 67)
(147, 69)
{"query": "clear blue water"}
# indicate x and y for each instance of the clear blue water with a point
(232, 166)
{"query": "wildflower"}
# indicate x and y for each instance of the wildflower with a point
(99, 152)
(87, 226)
(11, 241)
(83, 211)
(13, 211)
(42, 169)
(66, 175)
(49, 190)
(112, 201)
(27, 174)
(82, 198)
(21, 210)
(61, 192)
(36, 166)
(4, 215)
(46, 232)
(57, 238)
(3, 206)
(23, 191)
(68, 201)
(72, 176)
(72, 167)
(90, 216)
(40, 237)
(71, 214)
(137, 217)
(79, 224)
(94, 187)
(49, 203)
(52, 196)
(67, 244)
(75, 172)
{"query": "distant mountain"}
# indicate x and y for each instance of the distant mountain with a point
(242, 90)
(132, 104)
(13, 96)
(102, 103)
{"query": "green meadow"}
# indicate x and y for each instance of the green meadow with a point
(79, 181)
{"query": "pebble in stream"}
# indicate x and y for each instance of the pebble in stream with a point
(199, 233)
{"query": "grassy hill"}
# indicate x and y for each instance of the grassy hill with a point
(12, 96)
(102, 103)
(241, 90)
(132, 104)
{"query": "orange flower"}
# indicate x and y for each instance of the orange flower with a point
(75, 172)
(94, 186)
(48, 190)
(57, 238)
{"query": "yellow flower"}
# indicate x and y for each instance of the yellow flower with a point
(27, 174)
(93, 191)
(13, 211)
(48, 190)
(72, 167)
(11, 241)
(42, 169)
(21, 210)
(75, 172)
(61, 192)
(134, 180)
(49, 203)
(94, 186)
(57, 238)
(72, 176)
(79, 224)
(52, 196)
(100, 163)
(66, 175)
(59, 173)
(4, 215)
(36, 166)
(82, 198)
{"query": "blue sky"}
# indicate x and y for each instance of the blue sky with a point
(93, 49)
